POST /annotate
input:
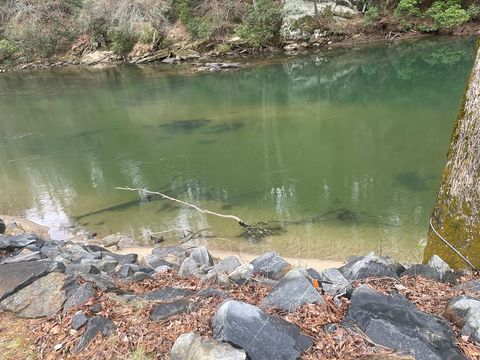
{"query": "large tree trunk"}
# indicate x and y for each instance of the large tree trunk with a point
(456, 216)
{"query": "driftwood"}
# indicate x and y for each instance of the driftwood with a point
(255, 232)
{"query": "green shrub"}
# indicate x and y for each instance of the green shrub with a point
(447, 14)
(261, 25)
(7, 49)
(407, 8)
(121, 40)
(474, 12)
(372, 14)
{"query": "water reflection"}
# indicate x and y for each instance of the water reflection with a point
(345, 148)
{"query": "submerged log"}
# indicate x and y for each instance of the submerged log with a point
(456, 215)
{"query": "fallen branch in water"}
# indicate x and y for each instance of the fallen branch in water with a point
(257, 231)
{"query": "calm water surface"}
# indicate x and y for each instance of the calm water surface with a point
(345, 149)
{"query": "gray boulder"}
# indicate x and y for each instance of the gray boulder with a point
(242, 274)
(171, 254)
(72, 269)
(167, 294)
(16, 276)
(334, 283)
(465, 313)
(44, 297)
(293, 291)
(368, 266)
(155, 262)
(95, 325)
(100, 281)
(24, 255)
(78, 320)
(119, 258)
(165, 310)
(16, 241)
(194, 347)
(188, 268)
(79, 296)
(102, 265)
(423, 270)
(271, 265)
(472, 285)
(261, 335)
(394, 322)
(227, 265)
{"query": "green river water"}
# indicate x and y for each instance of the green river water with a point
(344, 148)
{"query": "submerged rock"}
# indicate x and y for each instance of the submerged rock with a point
(271, 265)
(292, 291)
(465, 313)
(42, 298)
(261, 335)
(191, 346)
(394, 322)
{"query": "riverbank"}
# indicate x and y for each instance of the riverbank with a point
(79, 301)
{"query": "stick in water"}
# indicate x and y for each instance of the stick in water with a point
(204, 211)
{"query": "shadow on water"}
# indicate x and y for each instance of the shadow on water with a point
(222, 128)
(184, 126)
(412, 181)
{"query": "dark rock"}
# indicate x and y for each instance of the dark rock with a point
(155, 262)
(3, 227)
(394, 322)
(78, 320)
(101, 281)
(210, 292)
(107, 266)
(194, 347)
(202, 257)
(16, 276)
(72, 269)
(79, 296)
(96, 248)
(96, 308)
(95, 325)
(465, 313)
(139, 276)
(292, 291)
(119, 258)
(242, 274)
(172, 254)
(44, 297)
(271, 265)
(227, 265)
(23, 256)
(128, 270)
(472, 285)
(165, 310)
(334, 283)
(16, 241)
(167, 294)
(262, 336)
(368, 266)
(422, 270)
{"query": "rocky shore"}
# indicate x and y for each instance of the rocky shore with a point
(72, 300)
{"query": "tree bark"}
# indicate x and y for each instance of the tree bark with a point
(456, 216)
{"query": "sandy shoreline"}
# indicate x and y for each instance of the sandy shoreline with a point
(43, 231)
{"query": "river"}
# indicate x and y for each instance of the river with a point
(343, 148)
